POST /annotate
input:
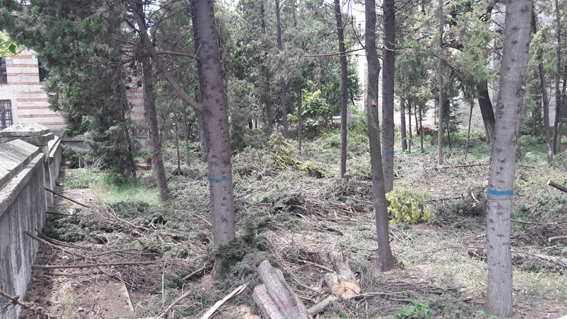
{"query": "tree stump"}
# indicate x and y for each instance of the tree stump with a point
(342, 282)
(275, 297)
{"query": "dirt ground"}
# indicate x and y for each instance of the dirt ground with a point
(138, 255)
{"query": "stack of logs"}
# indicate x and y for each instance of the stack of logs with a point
(277, 300)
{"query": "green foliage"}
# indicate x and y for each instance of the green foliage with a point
(81, 178)
(486, 314)
(286, 156)
(407, 206)
(417, 310)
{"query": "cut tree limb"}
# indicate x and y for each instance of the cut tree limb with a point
(275, 297)
(559, 187)
(343, 282)
(320, 307)
(221, 302)
(552, 239)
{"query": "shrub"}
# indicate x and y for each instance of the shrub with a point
(408, 207)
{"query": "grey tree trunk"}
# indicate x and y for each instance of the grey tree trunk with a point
(267, 97)
(440, 75)
(403, 124)
(216, 125)
(379, 194)
(410, 142)
(545, 97)
(388, 93)
(282, 81)
(486, 110)
(344, 87)
(502, 160)
(558, 112)
(155, 138)
(214, 111)
(299, 120)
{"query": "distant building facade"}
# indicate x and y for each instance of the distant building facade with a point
(23, 100)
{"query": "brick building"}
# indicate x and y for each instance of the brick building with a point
(22, 99)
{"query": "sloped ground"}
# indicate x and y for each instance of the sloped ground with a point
(293, 220)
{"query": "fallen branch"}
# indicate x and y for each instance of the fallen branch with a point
(317, 265)
(74, 201)
(225, 299)
(552, 239)
(297, 280)
(320, 306)
(559, 187)
(13, 300)
(445, 198)
(96, 265)
(196, 271)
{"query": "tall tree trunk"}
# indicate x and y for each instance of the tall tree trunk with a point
(388, 93)
(215, 118)
(502, 160)
(486, 110)
(380, 203)
(216, 125)
(299, 119)
(187, 148)
(403, 124)
(545, 97)
(440, 75)
(282, 81)
(558, 112)
(267, 97)
(155, 138)
(421, 129)
(469, 132)
(177, 147)
(410, 142)
(344, 87)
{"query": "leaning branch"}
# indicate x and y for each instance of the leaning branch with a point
(559, 187)
(177, 53)
(152, 51)
(74, 201)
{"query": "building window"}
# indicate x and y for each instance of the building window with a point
(3, 75)
(43, 73)
(5, 114)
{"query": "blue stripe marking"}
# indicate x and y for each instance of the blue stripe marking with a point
(222, 179)
(500, 193)
(388, 154)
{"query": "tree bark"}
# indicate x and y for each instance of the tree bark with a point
(421, 129)
(275, 297)
(558, 112)
(150, 107)
(545, 97)
(299, 120)
(469, 132)
(486, 110)
(267, 97)
(410, 142)
(282, 81)
(379, 194)
(344, 87)
(403, 124)
(502, 160)
(216, 126)
(440, 75)
(388, 94)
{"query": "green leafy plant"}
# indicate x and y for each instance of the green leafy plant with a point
(408, 207)
(417, 310)
(486, 313)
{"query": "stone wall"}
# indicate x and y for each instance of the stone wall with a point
(25, 170)
(22, 208)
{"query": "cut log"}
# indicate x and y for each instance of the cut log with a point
(342, 282)
(559, 187)
(275, 297)
(320, 307)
